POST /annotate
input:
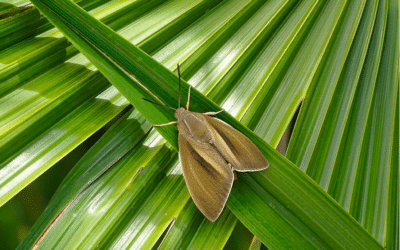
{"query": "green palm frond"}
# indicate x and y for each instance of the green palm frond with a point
(258, 60)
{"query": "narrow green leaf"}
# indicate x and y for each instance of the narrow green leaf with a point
(38, 103)
(314, 109)
(198, 41)
(376, 156)
(294, 84)
(105, 153)
(191, 230)
(348, 159)
(255, 244)
(47, 148)
(393, 231)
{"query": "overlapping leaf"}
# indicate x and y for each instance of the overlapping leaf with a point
(269, 46)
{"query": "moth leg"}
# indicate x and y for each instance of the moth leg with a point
(213, 113)
(165, 124)
(187, 104)
(234, 173)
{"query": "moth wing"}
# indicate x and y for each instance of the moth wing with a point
(208, 176)
(236, 148)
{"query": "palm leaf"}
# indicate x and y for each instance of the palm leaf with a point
(282, 43)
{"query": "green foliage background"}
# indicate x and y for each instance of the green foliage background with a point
(258, 60)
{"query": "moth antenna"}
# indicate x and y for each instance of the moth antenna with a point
(188, 100)
(167, 107)
(179, 90)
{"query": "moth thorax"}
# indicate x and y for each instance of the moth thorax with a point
(196, 126)
(179, 112)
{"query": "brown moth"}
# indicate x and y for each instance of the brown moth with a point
(210, 151)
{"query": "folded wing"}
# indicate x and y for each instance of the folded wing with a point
(208, 176)
(235, 147)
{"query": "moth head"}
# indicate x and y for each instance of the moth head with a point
(179, 112)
